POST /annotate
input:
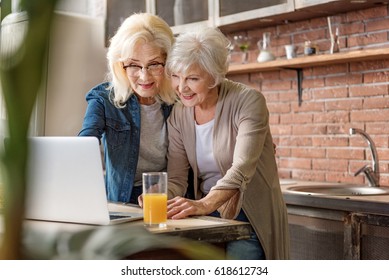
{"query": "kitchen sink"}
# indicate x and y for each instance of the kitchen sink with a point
(340, 190)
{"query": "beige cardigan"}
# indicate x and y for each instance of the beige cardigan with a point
(243, 150)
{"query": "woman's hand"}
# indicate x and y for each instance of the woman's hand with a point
(140, 200)
(180, 207)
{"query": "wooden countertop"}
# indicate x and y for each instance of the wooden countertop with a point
(204, 228)
(377, 204)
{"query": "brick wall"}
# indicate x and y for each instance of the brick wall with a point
(312, 139)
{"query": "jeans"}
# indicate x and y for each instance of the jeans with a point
(247, 249)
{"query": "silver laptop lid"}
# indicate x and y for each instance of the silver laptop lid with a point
(66, 181)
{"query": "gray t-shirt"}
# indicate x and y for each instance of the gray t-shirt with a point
(153, 143)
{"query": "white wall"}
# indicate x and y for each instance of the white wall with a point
(76, 63)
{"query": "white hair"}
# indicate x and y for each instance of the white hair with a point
(207, 48)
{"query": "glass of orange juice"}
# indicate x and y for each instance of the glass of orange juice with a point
(155, 199)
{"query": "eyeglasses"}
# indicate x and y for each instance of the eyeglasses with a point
(134, 70)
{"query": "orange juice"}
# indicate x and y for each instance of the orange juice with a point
(154, 208)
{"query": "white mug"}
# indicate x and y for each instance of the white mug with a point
(290, 51)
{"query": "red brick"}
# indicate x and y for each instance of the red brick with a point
(284, 174)
(289, 95)
(330, 69)
(274, 119)
(309, 106)
(295, 163)
(279, 108)
(265, 76)
(368, 90)
(281, 130)
(296, 118)
(280, 85)
(383, 154)
(369, 116)
(330, 164)
(380, 24)
(343, 80)
(282, 152)
(332, 117)
(344, 104)
(288, 74)
(351, 28)
(369, 65)
(242, 78)
(376, 102)
(310, 35)
(296, 141)
(344, 153)
(292, 27)
(354, 166)
(309, 175)
(308, 152)
(367, 39)
(384, 180)
(326, 93)
(341, 177)
(378, 128)
(330, 141)
(376, 77)
(363, 15)
(313, 82)
(309, 130)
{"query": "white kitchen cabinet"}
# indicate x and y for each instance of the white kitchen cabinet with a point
(300, 4)
(118, 10)
(184, 15)
(229, 12)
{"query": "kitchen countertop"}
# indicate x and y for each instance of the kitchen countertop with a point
(373, 204)
(202, 228)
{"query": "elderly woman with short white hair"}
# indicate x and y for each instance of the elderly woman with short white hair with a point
(220, 130)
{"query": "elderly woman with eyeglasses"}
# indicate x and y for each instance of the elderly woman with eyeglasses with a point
(129, 111)
(220, 130)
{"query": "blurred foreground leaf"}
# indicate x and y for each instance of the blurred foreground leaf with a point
(22, 64)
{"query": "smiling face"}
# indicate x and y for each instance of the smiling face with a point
(193, 87)
(145, 83)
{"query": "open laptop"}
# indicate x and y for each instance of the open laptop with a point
(66, 182)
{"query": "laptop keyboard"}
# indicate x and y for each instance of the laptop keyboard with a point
(115, 217)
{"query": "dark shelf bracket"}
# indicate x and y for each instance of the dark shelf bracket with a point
(299, 72)
(300, 85)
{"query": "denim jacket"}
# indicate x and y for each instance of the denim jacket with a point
(119, 130)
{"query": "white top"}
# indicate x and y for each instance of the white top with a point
(209, 172)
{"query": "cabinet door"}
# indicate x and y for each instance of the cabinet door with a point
(373, 236)
(316, 233)
(299, 4)
(118, 11)
(231, 11)
(313, 238)
(184, 15)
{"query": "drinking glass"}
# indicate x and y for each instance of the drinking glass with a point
(243, 43)
(155, 199)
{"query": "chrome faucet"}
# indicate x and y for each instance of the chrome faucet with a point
(372, 173)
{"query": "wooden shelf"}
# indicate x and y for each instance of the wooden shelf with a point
(310, 61)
